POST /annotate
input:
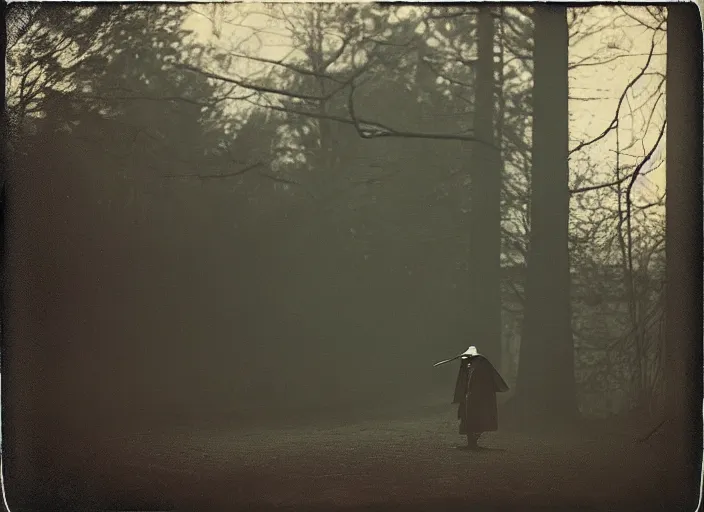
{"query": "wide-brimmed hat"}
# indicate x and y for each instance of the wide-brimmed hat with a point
(470, 352)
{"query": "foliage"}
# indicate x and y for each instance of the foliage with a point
(354, 124)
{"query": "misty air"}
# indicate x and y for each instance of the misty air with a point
(352, 256)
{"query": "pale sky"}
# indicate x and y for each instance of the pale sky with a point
(588, 118)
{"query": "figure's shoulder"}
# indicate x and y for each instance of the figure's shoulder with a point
(482, 362)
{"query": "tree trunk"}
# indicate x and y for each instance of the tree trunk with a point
(545, 384)
(683, 313)
(505, 362)
(485, 221)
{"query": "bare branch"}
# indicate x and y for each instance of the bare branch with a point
(640, 166)
(585, 98)
(377, 130)
(641, 22)
(590, 188)
(291, 67)
(279, 179)
(427, 63)
(660, 202)
(253, 87)
(338, 53)
(614, 123)
(464, 12)
(350, 109)
(583, 62)
(166, 98)
(215, 176)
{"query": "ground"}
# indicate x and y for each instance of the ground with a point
(378, 463)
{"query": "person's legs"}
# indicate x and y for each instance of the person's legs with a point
(463, 422)
(472, 438)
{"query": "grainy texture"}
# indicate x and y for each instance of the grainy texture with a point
(384, 463)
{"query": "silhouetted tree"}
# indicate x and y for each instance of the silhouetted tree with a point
(98, 121)
(684, 251)
(485, 220)
(545, 385)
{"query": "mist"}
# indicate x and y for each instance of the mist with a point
(243, 233)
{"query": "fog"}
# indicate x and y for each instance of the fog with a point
(217, 246)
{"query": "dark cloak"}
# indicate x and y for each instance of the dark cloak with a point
(484, 382)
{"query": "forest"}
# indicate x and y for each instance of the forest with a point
(257, 215)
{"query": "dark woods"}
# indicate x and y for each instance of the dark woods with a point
(234, 211)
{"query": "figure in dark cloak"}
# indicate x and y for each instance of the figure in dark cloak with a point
(475, 393)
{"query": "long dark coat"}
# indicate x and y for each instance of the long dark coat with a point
(484, 382)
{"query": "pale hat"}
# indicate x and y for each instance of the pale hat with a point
(470, 352)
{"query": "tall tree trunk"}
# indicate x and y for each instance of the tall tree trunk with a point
(485, 222)
(505, 362)
(545, 383)
(683, 313)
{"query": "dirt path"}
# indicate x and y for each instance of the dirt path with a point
(412, 463)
